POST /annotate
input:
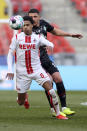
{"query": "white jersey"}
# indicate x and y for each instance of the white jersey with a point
(27, 52)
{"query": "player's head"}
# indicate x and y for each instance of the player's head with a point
(28, 25)
(34, 13)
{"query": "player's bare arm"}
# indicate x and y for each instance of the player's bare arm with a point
(59, 32)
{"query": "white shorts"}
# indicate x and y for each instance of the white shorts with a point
(23, 82)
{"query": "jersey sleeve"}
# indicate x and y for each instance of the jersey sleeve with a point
(12, 48)
(13, 44)
(43, 41)
(49, 26)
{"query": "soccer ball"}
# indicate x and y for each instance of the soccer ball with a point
(16, 22)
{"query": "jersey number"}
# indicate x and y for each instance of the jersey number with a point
(28, 62)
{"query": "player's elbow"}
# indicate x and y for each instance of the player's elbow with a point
(52, 45)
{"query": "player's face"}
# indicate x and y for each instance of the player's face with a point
(27, 28)
(35, 17)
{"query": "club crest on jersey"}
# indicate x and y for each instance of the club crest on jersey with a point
(34, 40)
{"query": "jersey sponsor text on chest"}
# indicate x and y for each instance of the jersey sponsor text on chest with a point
(27, 46)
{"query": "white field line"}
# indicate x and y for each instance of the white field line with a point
(84, 103)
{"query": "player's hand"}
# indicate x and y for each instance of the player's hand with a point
(10, 76)
(79, 36)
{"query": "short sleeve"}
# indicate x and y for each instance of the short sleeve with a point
(49, 26)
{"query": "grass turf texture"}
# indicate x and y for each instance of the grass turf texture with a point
(38, 117)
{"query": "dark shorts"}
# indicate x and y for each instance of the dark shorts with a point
(49, 66)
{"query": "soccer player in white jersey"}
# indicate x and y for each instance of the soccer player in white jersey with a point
(28, 67)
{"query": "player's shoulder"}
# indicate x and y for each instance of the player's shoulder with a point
(43, 21)
(19, 35)
(36, 35)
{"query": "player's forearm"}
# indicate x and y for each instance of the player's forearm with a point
(50, 44)
(44, 41)
(9, 61)
(59, 32)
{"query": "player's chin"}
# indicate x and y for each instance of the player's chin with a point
(26, 32)
(34, 24)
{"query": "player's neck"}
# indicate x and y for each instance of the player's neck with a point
(37, 24)
(29, 34)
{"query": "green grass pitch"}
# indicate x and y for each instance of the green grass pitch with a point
(38, 117)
